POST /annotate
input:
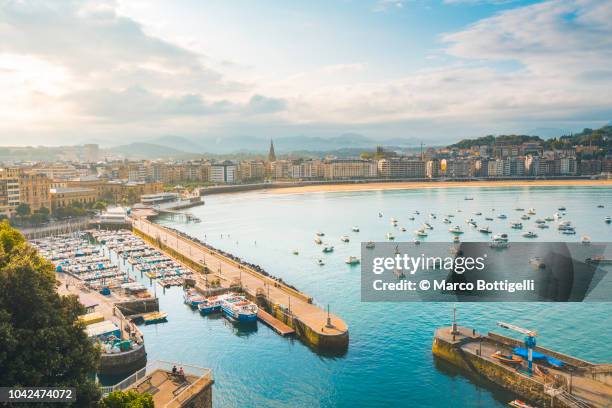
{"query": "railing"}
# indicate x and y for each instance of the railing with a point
(126, 383)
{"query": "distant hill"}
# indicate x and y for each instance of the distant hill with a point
(150, 151)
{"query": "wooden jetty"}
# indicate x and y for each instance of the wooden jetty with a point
(275, 324)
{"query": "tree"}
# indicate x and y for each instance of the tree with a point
(99, 205)
(40, 342)
(22, 210)
(129, 399)
(44, 211)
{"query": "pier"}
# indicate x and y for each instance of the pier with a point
(315, 326)
(275, 324)
(578, 384)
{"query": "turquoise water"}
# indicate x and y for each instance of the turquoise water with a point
(389, 359)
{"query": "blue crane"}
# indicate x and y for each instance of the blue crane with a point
(530, 341)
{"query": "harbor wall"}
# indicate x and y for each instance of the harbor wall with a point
(137, 306)
(520, 384)
(124, 362)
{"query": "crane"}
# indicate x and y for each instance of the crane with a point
(530, 341)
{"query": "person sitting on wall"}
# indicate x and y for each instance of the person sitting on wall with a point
(174, 370)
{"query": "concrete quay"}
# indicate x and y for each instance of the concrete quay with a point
(311, 323)
(578, 384)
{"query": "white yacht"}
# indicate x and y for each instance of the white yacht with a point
(485, 230)
(586, 239)
(355, 229)
(318, 240)
(531, 211)
(530, 234)
(455, 230)
(390, 236)
(344, 238)
(352, 260)
(320, 234)
(421, 232)
(524, 217)
(501, 237)
(516, 225)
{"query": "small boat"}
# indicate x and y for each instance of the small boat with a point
(569, 232)
(608, 220)
(455, 230)
(537, 262)
(456, 239)
(155, 317)
(240, 310)
(318, 241)
(320, 234)
(328, 249)
(501, 237)
(403, 229)
(507, 359)
(519, 404)
(561, 208)
(530, 234)
(549, 218)
(540, 221)
(586, 239)
(519, 209)
(468, 198)
(557, 216)
(485, 230)
(516, 225)
(478, 213)
(320, 262)
(432, 216)
(393, 221)
(543, 226)
(355, 229)
(427, 225)
(565, 225)
(524, 217)
(344, 238)
(499, 244)
(411, 218)
(212, 304)
(417, 212)
(502, 216)
(446, 221)
(531, 211)
(370, 245)
(352, 260)
(421, 232)
(488, 218)
(380, 215)
(416, 242)
(390, 236)
(296, 252)
(450, 215)
(600, 206)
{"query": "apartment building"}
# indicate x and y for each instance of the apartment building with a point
(349, 169)
(69, 196)
(224, 172)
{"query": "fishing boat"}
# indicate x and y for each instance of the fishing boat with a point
(240, 310)
(328, 249)
(421, 232)
(355, 229)
(390, 236)
(485, 230)
(370, 245)
(530, 234)
(519, 404)
(318, 241)
(155, 317)
(320, 262)
(352, 260)
(455, 230)
(507, 359)
(516, 225)
(344, 238)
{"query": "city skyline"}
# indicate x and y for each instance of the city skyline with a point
(114, 72)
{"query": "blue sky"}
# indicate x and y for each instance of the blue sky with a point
(121, 70)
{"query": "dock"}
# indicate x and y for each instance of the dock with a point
(275, 324)
(314, 325)
(578, 384)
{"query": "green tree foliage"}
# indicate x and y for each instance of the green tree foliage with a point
(40, 342)
(129, 399)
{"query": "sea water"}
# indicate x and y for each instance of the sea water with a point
(389, 360)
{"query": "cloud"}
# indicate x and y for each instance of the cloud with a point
(264, 104)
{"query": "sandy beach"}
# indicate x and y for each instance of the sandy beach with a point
(404, 185)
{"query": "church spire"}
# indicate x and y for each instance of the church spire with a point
(271, 154)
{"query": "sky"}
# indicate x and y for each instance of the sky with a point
(115, 71)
